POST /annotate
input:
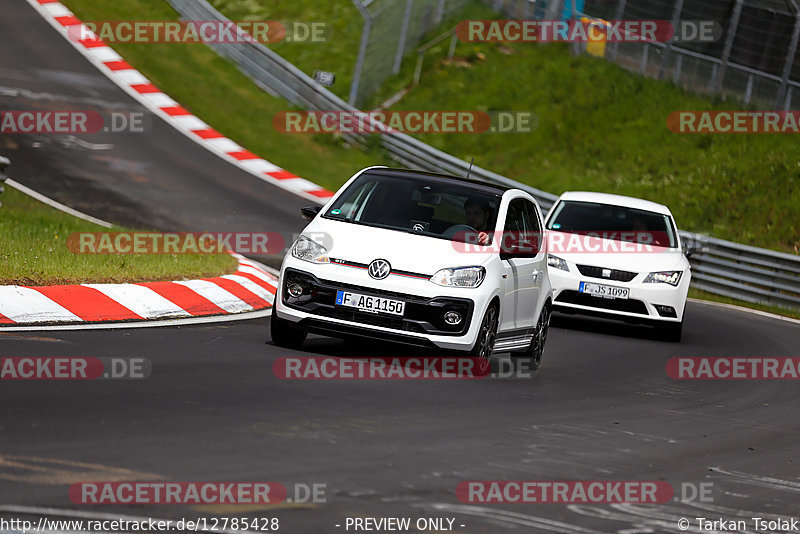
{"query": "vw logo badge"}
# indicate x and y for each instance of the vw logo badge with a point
(379, 269)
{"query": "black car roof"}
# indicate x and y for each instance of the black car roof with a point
(478, 185)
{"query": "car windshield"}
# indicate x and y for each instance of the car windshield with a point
(421, 205)
(613, 222)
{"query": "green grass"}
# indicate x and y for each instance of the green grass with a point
(601, 128)
(343, 26)
(36, 252)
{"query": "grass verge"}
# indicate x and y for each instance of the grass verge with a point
(37, 254)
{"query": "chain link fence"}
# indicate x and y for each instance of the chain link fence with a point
(755, 61)
(392, 28)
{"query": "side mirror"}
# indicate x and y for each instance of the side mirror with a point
(691, 250)
(520, 247)
(692, 246)
(309, 212)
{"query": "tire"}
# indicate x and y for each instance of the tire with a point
(533, 354)
(672, 332)
(484, 345)
(285, 334)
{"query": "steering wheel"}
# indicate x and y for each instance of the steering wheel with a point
(456, 228)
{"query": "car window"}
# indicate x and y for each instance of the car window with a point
(618, 223)
(521, 229)
(427, 206)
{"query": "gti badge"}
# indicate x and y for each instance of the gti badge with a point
(379, 269)
(606, 273)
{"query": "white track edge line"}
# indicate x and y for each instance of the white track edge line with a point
(55, 204)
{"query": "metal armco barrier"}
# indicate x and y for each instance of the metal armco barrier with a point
(722, 267)
(4, 162)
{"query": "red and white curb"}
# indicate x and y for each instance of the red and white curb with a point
(250, 288)
(135, 84)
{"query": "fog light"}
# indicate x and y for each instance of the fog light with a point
(665, 311)
(295, 290)
(452, 318)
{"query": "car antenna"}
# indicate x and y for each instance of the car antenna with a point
(470, 168)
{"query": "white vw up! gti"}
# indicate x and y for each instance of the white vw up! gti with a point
(420, 258)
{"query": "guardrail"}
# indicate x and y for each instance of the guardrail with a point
(4, 162)
(722, 267)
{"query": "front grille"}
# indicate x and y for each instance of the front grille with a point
(597, 272)
(422, 314)
(623, 305)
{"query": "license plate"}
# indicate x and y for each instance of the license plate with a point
(600, 290)
(369, 304)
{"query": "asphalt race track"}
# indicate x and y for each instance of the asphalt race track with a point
(601, 407)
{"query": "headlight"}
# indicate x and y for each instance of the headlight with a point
(664, 277)
(459, 277)
(308, 250)
(556, 262)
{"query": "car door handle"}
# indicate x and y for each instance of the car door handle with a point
(536, 275)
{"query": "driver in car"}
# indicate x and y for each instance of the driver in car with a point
(476, 213)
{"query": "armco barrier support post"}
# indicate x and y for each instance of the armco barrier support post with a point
(4, 162)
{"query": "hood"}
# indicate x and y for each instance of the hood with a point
(404, 251)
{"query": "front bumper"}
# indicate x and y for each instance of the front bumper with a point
(646, 303)
(422, 322)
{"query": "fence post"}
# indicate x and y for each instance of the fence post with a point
(676, 14)
(362, 52)
(618, 14)
(576, 46)
(437, 18)
(787, 66)
(401, 43)
(726, 53)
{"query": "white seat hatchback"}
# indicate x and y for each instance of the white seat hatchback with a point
(618, 257)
